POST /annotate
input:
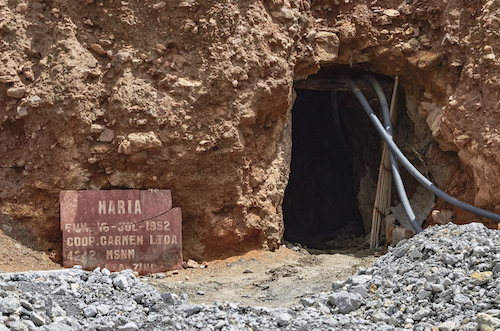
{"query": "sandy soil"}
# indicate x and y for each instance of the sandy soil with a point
(17, 257)
(270, 279)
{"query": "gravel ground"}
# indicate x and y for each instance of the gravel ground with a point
(446, 278)
(262, 278)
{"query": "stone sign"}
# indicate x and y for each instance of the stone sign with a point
(121, 229)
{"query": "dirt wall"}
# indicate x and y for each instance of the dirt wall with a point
(195, 96)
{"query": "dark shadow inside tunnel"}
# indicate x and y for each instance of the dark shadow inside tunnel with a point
(335, 157)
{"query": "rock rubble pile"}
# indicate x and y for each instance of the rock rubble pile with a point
(446, 278)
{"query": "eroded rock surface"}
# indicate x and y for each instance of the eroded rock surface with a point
(196, 97)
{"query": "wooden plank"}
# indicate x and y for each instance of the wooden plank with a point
(382, 202)
(337, 85)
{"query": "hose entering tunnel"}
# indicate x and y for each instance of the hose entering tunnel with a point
(394, 165)
(407, 164)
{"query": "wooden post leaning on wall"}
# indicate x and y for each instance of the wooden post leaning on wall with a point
(382, 204)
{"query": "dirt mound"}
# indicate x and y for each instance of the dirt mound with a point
(19, 250)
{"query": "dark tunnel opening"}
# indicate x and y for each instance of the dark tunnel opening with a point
(335, 158)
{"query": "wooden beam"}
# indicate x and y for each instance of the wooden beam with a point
(382, 204)
(337, 85)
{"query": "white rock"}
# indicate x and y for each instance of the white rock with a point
(284, 319)
(96, 128)
(487, 322)
(392, 13)
(447, 326)
(37, 319)
(130, 326)
(8, 305)
(360, 279)
(159, 5)
(345, 301)
(21, 111)
(120, 282)
(35, 101)
(103, 309)
(90, 311)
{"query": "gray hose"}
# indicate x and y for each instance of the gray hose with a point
(398, 182)
(407, 164)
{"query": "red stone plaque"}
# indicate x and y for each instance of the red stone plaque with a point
(121, 229)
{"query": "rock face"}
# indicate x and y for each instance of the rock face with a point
(196, 97)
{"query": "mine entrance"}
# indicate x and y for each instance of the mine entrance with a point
(336, 153)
